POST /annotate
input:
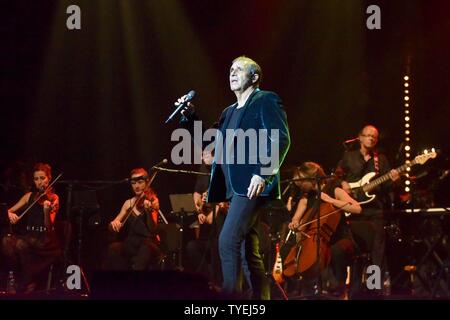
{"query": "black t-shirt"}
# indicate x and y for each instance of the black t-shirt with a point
(232, 124)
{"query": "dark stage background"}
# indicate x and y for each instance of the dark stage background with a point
(93, 102)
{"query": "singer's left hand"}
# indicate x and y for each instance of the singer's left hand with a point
(257, 185)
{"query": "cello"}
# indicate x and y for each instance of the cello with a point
(304, 258)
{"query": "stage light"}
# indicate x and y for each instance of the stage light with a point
(406, 78)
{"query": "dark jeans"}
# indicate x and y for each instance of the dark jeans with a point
(239, 246)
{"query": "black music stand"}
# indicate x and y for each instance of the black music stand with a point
(182, 206)
(84, 203)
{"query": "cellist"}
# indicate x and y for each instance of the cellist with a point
(140, 249)
(341, 242)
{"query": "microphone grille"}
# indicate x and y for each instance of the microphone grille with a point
(191, 95)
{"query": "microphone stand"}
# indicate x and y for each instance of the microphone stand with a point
(182, 171)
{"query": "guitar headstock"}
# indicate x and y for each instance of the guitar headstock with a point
(421, 159)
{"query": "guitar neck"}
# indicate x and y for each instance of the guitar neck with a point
(385, 177)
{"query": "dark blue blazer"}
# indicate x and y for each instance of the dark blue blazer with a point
(263, 110)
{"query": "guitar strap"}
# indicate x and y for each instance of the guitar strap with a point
(376, 162)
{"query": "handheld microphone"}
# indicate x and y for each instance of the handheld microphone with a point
(186, 98)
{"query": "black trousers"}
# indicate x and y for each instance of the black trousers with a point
(239, 247)
(135, 253)
(31, 254)
(369, 234)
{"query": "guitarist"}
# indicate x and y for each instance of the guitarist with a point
(367, 228)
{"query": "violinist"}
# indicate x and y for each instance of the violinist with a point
(34, 251)
(140, 249)
(341, 243)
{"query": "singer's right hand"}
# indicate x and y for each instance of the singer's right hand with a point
(188, 109)
(115, 225)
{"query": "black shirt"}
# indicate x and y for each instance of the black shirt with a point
(232, 124)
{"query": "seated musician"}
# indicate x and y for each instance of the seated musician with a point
(32, 252)
(202, 252)
(341, 243)
(140, 249)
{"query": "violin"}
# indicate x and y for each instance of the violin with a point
(45, 195)
(303, 259)
(139, 204)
